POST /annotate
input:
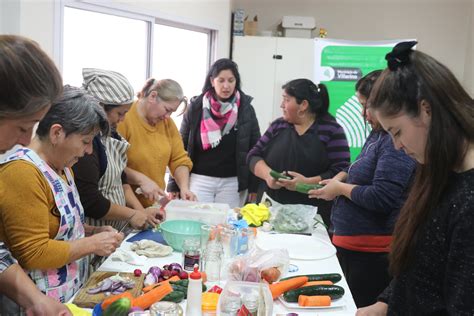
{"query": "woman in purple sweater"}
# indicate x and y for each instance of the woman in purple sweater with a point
(370, 194)
(306, 142)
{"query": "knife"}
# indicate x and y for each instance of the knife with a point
(96, 259)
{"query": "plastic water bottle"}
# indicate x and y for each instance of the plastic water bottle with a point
(193, 306)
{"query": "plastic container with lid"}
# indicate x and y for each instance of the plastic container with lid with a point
(209, 303)
(238, 293)
(207, 213)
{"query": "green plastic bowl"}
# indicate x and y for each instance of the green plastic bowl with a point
(176, 231)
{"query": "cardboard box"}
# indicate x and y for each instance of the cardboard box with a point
(250, 28)
(298, 26)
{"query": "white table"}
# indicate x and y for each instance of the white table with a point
(328, 265)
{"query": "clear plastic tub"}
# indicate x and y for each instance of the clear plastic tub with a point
(237, 293)
(207, 213)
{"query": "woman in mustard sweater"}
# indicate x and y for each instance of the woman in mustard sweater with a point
(155, 142)
(41, 216)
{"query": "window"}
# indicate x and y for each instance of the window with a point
(120, 41)
(98, 40)
(192, 53)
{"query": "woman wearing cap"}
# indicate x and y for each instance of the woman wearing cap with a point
(42, 219)
(218, 130)
(30, 83)
(155, 141)
(307, 142)
(107, 198)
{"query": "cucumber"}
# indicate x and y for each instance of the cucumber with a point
(185, 283)
(276, 175)
(175, 296)
(333, 277)
(118, 308)
(334, 291)
(305, 187)
(179, 288)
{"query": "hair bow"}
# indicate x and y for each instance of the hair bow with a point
(399, 55)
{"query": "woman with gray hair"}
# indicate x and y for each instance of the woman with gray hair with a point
(42, 219)
(107, 197)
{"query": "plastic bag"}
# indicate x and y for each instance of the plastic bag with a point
(291, 218)
(250, 266)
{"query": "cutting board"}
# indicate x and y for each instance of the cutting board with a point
(83, 299)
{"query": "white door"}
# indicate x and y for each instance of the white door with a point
(254, 56)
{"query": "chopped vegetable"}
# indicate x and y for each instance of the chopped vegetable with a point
(115, 284)
(315, 300)
(281, 287)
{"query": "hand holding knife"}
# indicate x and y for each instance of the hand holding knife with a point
(96, 259)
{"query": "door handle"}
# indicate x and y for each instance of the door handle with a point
(277, 57)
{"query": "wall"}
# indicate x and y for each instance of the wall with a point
(442, 27)
(469, 73)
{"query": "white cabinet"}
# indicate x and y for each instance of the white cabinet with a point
(265, 64)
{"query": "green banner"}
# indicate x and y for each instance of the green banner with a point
(339, 64)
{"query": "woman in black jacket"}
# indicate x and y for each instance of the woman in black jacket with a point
(218, 129)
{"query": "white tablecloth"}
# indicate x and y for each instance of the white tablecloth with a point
(328, 265)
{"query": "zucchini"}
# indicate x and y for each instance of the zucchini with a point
(175, 296)
(118, 308)
(305, 187)
(333, 277)
(276, 175)
(185, 283)
(334, 291)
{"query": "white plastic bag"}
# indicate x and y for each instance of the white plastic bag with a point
(250, 266)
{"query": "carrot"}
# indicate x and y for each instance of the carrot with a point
(111, 299)
(146, 300)
(314, 300)
(152, 286)
(318, 283)
(203, 276)
(279, 288)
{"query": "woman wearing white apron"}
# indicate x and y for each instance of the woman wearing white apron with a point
(42, 219)
(100, 177)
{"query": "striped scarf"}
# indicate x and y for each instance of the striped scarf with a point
(220, 122)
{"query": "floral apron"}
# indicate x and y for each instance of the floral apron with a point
(62, 283)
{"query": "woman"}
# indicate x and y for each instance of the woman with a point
(218, 130)
(106, 196)
(421, 104)
(369, 196)
(307, 142)
(41, 213)
(155, 143)
(31, 83)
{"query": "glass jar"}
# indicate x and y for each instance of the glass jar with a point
(250, 301)
(211, 261)
(191, 253)
(166, 309)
